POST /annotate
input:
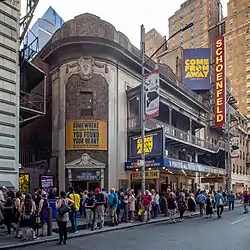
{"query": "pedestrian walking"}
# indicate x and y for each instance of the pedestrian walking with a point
(246, 201)
(209, 206)
(231, 201)
(181, 202)
(219, 200)
(63, 206)
(172, 206)
(201, 199)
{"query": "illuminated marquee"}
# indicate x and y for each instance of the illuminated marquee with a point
(220, 83)
(148, 145)
(196, 68)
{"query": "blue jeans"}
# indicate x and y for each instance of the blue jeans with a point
(73, 220)
(155, 210)
(231, 205)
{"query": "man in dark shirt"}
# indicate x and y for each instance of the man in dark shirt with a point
(89, 208)
(99, 208)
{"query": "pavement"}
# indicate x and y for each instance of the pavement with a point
(229, 233)
(8, 242)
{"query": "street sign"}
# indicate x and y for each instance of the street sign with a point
(151, 90)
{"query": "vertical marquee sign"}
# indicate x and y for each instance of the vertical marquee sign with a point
(220, 83)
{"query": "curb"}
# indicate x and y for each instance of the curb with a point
(106, 229)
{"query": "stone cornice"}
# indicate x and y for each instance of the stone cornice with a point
(88, 28)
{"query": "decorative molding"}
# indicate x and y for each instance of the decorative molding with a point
(86, 66)
(55, 75)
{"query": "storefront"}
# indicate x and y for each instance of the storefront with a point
(176, 174)
(86, 173)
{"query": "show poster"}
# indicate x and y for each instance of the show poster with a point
(24, 182)
(86, 135)
(47, 182)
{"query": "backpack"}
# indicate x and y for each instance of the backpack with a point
(63, 209)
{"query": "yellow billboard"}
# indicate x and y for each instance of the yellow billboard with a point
(86, 134)
(149, 175)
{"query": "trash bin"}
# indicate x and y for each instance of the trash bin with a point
(52, 204)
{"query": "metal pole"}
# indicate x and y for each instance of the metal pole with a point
(142, 109)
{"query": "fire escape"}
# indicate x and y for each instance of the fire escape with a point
(32, 88)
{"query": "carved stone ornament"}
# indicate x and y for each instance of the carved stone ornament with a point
(85, 159)
(86, 65)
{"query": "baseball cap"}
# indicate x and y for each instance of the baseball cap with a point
(97, 190)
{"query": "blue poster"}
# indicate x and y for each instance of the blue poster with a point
(196, 68)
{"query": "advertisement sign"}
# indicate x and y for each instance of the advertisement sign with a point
(212, 180)
(24, 182)
(156, 163)
(149, 175)
(196, 68)
(87, 176)
(47, 182)
(86, 134)
(152, 99)
(153, 145)
(220, 83)
(234, 146)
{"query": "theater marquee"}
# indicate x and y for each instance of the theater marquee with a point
(220, 83)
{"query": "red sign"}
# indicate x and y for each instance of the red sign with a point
(220, 83)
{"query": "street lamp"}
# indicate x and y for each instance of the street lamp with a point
(143, 63)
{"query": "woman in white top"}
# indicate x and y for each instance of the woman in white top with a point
(155, 203)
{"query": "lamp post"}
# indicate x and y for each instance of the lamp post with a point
(142, 116)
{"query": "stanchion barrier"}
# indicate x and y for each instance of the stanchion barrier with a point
(49, 226)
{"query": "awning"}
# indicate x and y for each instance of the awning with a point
(7, 184)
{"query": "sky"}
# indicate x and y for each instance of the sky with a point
(127, 16)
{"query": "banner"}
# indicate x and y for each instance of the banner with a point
(47, 182)
(234, 146)
(196, 68)
(86, 134)
(220, 83)
(149, 175)
(153, 145)
(24, 182)
(152, 99)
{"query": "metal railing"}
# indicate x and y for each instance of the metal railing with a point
(175, 133)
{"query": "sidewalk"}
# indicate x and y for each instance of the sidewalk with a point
(9, 242)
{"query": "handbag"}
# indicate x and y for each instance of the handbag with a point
(63, 209)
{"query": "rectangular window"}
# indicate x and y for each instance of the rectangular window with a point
(86, 103)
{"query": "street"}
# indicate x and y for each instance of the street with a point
(230, 232)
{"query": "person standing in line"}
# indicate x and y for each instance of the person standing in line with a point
(155, 203)
(99, 208)
(89, 210)
(73, 213)
(113, 203)
(231, 200)
(219, 200)
(172, 208)
(131, 205)
(63, 206)
(191, 204)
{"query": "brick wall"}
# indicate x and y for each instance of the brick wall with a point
(98, 85)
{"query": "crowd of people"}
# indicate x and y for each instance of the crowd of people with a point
(30, 211)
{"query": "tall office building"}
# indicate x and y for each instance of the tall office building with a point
(238, 51)
(9, 92)
(41, 32)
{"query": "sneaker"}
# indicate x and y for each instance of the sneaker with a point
(174, 221)
(76, 232)
(64, 242)
(59, 243)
